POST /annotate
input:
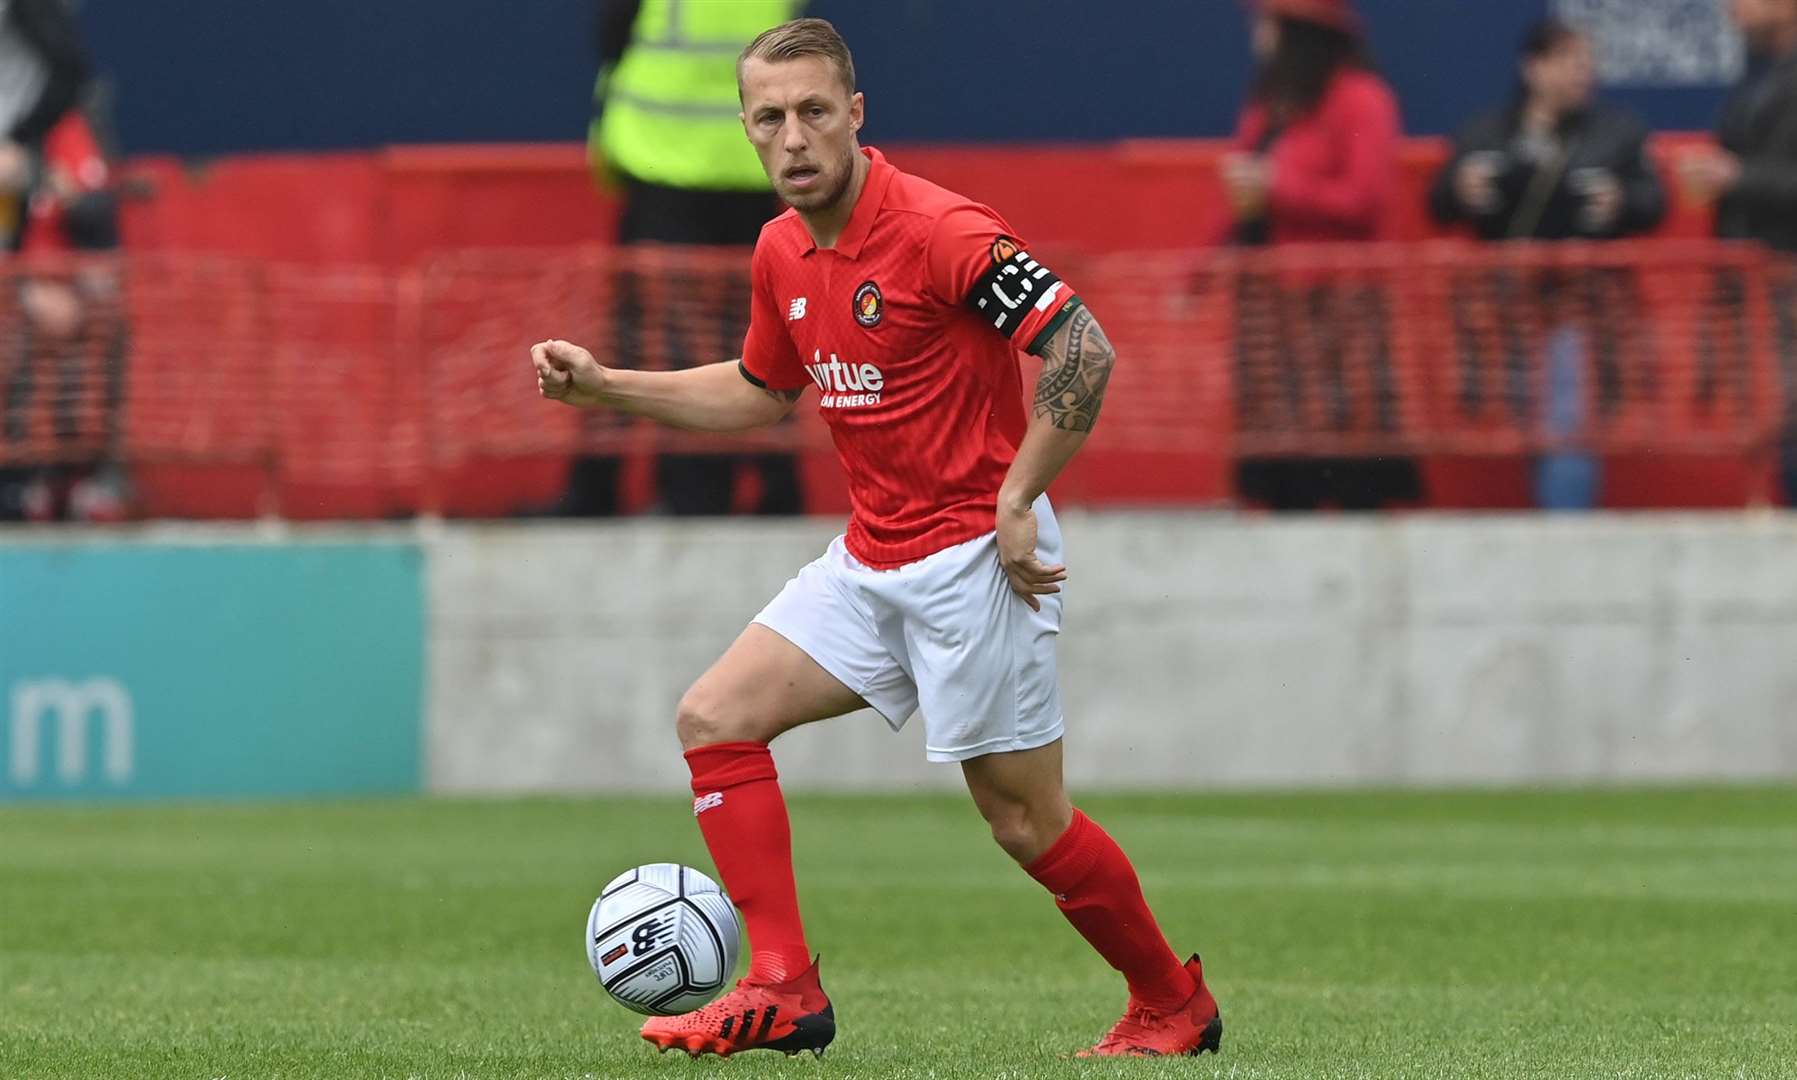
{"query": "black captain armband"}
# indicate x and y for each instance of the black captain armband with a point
(1016, 286)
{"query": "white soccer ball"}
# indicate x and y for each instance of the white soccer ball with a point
(663, 939)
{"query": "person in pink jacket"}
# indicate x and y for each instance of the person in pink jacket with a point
(1315, 161)
(1316, 146)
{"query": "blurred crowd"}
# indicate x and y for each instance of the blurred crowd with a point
(64, 333)
(1315, 160)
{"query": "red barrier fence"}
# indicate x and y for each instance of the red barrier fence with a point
(233, 387)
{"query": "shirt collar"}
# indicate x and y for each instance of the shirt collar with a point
(867, 207)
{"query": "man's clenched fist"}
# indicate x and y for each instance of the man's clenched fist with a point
(567, 373)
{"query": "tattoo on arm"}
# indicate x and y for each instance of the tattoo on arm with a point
(1076, 365)
(788, 398)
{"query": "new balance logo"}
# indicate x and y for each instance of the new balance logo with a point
(796, 311)
(707, 802)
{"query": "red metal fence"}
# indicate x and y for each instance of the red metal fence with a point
(234, 386)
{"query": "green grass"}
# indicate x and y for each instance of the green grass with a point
(1632, 934)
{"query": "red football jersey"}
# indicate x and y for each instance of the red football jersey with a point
(910, 329)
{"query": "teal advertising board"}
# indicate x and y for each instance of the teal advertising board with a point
(133, 670)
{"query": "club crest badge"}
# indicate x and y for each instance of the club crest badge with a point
(870, 306)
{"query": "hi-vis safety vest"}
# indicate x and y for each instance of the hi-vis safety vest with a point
(670, 109)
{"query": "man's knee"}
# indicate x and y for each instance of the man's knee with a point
(703, 718)
(1025, 832)
(1012, 830)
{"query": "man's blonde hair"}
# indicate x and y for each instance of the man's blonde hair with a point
(800, 37)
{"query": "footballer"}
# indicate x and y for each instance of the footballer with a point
(906, 307)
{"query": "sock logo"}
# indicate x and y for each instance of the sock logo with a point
(706, 802)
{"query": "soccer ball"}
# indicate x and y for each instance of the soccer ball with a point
(663, 939)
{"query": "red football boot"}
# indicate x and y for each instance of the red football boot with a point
(1193, 1028)
(791, 1016)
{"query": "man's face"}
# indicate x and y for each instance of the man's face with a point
(1563, 78)
(1265, 39)
(802, 120)
(1763, 19)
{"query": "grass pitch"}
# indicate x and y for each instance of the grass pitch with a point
(1635, 934)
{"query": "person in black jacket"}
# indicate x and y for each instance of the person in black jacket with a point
(43, 71)
(1555, 163)
(1751, 179)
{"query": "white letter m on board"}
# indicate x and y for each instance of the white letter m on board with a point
(71, 703)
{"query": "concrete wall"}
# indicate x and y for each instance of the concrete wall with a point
(1199, 650)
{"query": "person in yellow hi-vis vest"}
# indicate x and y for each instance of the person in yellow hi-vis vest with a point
(668, 136)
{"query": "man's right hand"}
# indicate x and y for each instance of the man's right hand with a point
(1249, 180)
(15, 168)
(1475, 184)
(567, 373)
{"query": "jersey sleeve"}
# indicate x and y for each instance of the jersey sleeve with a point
(975, 260)
(769, 359)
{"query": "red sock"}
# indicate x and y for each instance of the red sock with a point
(743, 816)
(1096, 888)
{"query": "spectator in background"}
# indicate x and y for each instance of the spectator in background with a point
(43, 71)
(75, 331)
(1553, 164)
(1752, 178)
(1315, 161)
(1752, 181)
(668, 134)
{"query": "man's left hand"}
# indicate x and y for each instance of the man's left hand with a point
(1603, 196)
(1017, 554)
(1249, 179)
(1708, 175)
(15, 167)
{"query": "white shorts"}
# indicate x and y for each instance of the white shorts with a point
(945, 634)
